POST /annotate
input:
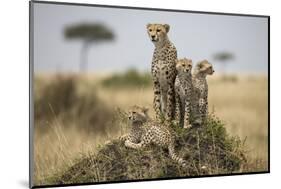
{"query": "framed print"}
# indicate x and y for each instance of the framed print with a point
(126, 94)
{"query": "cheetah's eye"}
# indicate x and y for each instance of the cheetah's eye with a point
(134, 112)
(150, 30)
(158, 30)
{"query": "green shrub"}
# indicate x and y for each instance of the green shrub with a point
(130, 78)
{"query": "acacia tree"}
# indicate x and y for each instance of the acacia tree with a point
(223, 58)
(89, 33)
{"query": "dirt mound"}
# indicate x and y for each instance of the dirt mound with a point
(208, 150)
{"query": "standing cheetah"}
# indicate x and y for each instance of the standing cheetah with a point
(200, 89)
(183, 90)
(145, 131)
(163, 71)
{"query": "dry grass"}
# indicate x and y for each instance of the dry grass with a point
(243, 105)
(61, 140)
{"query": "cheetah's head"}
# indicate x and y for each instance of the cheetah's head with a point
(205, 67)
(184, 65)
(157, 32)
(138, 114)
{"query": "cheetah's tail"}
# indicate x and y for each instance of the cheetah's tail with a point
(175, 157)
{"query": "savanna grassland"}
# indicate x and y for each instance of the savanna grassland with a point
(75, 115)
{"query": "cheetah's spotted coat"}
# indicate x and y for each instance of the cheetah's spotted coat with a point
(184, 92)
(145, 131)
(163, 69)
(200, 88)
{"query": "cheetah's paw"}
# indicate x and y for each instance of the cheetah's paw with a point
(108, 142)
(187, 126)
(127, 143)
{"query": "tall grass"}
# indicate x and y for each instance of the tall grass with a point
(66, 123)
(60, 99)
(75, 115)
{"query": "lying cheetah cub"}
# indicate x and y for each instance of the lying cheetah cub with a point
(183, 89)
(200, 89)
(145, 131)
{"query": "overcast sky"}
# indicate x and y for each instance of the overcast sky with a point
(196, 36)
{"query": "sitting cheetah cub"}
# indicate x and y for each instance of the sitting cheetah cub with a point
(183, 89)
(200, 89)
(145, 131)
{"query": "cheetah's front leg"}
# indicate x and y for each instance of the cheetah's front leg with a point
(146, 139)
(123, 138)
(178, 109)
(170, 103)
(187, 110)
(157, 100)
(203, 106)
(133, 145)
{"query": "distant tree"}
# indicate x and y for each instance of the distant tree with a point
(89, 33)
(223, 58)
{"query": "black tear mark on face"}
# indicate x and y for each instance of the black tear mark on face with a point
(157, 92)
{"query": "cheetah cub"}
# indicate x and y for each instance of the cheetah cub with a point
(144, 131)
(200, 89)
(183, 90)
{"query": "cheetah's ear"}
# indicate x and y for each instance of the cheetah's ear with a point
(167, 27)
(178, 65)
(191, 62)
(205, 61)
(199, 65)
(148, 25)
(145, 110)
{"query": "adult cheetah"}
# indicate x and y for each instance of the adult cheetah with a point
(163, 69)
